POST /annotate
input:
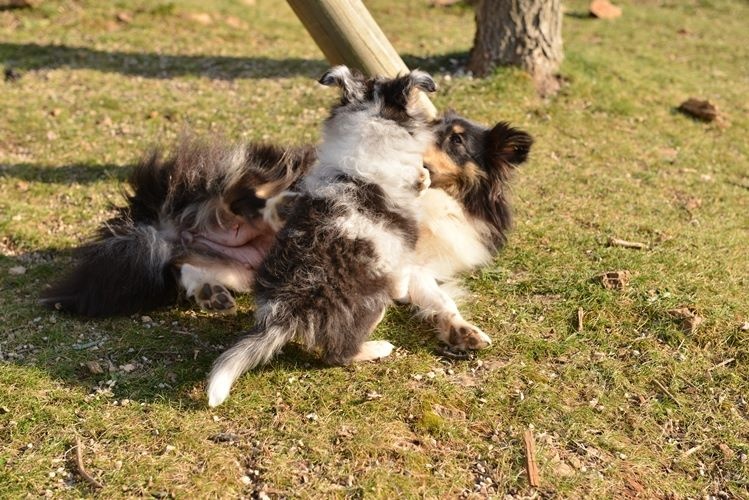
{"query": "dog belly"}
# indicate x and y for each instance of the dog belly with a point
(243, 242)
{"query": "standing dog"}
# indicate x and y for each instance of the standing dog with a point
(345, 251)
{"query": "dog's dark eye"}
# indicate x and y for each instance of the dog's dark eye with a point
(456, 139)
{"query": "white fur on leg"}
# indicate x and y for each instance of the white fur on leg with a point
(374, 349)
(434, 303)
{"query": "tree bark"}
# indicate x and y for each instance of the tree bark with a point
(525, 33)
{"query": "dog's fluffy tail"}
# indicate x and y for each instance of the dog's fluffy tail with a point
(123, 272)
(254, 350)
(126, 268)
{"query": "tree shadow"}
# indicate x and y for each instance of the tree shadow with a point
(33, 56)
(79, 173)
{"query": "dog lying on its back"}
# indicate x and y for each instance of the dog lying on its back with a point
(345, 251)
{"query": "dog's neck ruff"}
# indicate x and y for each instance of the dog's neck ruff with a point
(364, 146)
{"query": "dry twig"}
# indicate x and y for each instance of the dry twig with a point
(580, 315)
(667, 392)
(616, 242)
(531, 467)
(81, 468)
(722, 363)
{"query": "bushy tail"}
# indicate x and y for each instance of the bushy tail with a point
(255, 349)
(126, 270)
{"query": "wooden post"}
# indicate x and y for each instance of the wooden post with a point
(347, 34)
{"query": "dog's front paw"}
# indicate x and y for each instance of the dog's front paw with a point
(424, 180)
(215, 298)
(460, 334)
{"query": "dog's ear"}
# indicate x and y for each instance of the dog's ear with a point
(508, 145)
(351, 84)
(421, 80)
(400, 92)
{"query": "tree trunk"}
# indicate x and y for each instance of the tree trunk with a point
(525, 33)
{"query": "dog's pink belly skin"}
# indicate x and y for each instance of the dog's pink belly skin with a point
(246, 243)
(236, 235)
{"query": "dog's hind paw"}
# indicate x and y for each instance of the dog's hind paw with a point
(460, 334)
(215, 298)
(374, 349)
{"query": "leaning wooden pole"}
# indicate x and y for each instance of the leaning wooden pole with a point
(347, 34)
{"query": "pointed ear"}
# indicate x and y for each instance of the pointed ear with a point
(508, 145)
(350, 83)
(422, 81)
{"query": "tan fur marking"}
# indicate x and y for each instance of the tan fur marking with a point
(458, 129)
(444, 172)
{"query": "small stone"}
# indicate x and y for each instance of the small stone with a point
(745, 326)
(169, 448)
(311, 416)
(146, 319)
(17, 271)
(245, 480)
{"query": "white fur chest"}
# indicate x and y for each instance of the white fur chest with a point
(449, 242)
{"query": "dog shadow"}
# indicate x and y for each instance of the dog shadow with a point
(163, 355)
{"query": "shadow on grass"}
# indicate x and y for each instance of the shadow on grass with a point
(80, 173)
(33, 56)
(164, 357)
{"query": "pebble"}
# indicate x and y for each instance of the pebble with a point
(17, 271)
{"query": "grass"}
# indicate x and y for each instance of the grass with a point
(630, 405)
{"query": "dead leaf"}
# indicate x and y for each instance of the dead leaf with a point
(94, 367)
(702, 110)
(614, 280)
(22, 186)
(561, 468)
(727, 451)
(603, 9)
(688, 319)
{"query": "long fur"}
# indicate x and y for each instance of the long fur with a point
(342, 255)
(132, 263)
